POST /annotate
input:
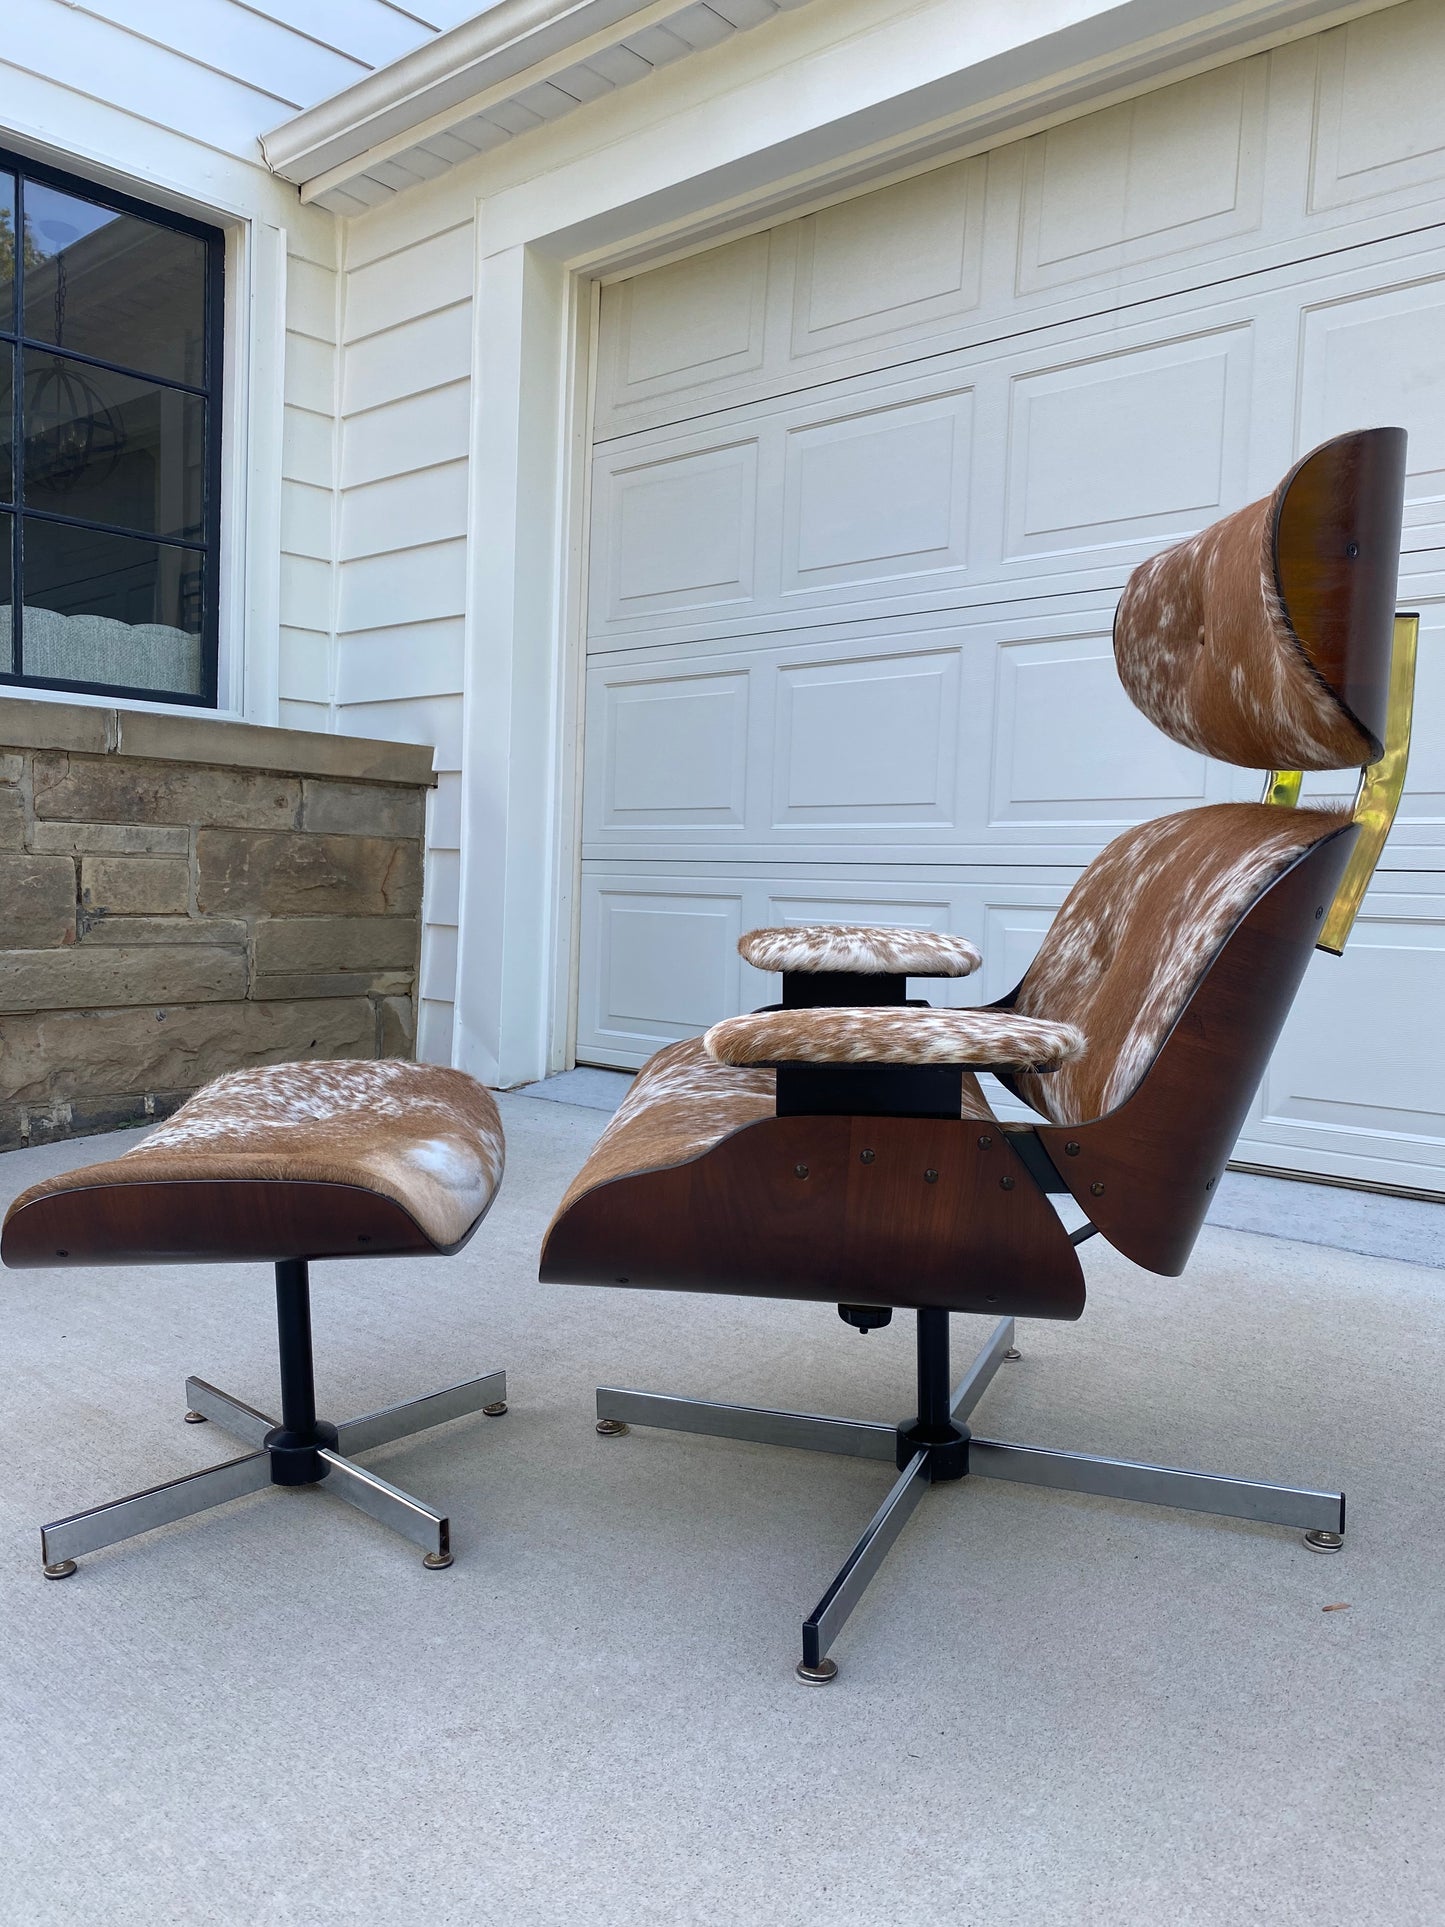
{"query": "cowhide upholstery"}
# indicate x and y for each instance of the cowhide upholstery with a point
(867, 950)
(1206, 648)
(681, 1104)
(424, 1136)
(851, 1034)
(1138, 930)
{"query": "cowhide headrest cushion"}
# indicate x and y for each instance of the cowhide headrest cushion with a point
(1265, 640)
(860, 949)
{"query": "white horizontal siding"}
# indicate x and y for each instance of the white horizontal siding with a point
(306, 666)
(217, 71)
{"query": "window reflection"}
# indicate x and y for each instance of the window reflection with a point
(107, 608)
(109, 515)
(7, 251)
(110, 285)
(109, 448)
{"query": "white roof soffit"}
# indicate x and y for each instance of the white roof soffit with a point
(522, 63)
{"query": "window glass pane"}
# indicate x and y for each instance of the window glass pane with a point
(110, 285)
(112, 448)
(7, 552)
(110, 609)
(7, 422)
(7, 252)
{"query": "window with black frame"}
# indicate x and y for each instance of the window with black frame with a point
(110, 371)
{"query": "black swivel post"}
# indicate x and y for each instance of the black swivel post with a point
(293, 1445)
(934, 1430)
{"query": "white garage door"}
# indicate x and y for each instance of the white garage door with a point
(866, 489)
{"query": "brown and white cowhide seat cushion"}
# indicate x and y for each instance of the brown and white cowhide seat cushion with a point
(426, 1137)
(683, 1102)
(860, 949)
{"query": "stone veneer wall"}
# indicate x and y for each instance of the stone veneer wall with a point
(181, 896)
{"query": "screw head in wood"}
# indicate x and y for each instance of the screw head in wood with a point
(1005, 1184)
(800, 1170)
(865, 1157)
(984, 1143)
(1071, 1149)
(930, 1177)
(1097, 1188)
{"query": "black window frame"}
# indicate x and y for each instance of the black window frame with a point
(23, 169)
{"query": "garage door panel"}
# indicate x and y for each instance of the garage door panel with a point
(1088, 464)
(679, 531)
(686, 328)
(1070, 748)
(659, 957)
(1376, 357)
(674, 751)
(876, 495)
(1378, 130)
(885, 265)
(867, 741)
(1355, 1083)
(1171, 171)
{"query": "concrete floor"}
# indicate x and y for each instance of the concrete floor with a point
(1050, 1709)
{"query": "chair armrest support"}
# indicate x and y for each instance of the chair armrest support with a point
(869, 1034)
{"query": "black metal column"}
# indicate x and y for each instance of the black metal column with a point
(293, 1335)
(295, 1459)
(933, 1386)
(934, 1430)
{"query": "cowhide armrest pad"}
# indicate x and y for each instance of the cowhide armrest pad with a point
(884, 1034)
(861, 949)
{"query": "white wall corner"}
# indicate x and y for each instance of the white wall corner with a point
(510, 714)
(251, 489)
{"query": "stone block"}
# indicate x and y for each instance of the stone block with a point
(27, 724)
(213, 930)
(12, 766)
(398, 1028)
(111, 839)
(37, 902)
(90, 976)
(279, 874)
(12, 819)
(58, 1055)
(341, 983)
(136, 886)
(114, 789)
(362, 809)
(12, 1127)
(88, 1117)
(337, 943)
(206, 739)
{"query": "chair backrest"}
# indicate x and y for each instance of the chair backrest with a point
(1265, 642)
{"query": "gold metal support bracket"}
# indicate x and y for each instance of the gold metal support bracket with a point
(1381, 786)
(1378, 797)
(1282, 787)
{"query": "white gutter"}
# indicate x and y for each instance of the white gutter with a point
(458, 65)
